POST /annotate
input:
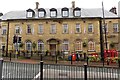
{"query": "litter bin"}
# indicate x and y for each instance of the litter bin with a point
(73, 57)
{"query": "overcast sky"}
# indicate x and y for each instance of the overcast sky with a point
(12, 5)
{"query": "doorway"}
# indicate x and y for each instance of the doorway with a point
(53, 49)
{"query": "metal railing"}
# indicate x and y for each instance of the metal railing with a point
(25, 71)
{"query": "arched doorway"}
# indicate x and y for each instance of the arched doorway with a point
(53, 45)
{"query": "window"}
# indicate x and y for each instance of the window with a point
(29, 14)
(91, 46)
(77, 12)
(78, 29)
(40, 45)
(40, 28)
(41, 14)
(78, 45)
(65, 45)
(65, 13)
(4, 31)
(53, 28)
(28, 45)
(65, 28)
(17, 29)
(53, 12)
(105, 27)
(90, 27)
(29, 29)
(115, 27)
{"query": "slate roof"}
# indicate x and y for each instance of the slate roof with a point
(85, 13)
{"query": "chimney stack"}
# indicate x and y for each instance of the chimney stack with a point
(73, 4)
(37, 5)
(113, 10)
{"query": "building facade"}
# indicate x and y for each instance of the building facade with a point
(63, 29)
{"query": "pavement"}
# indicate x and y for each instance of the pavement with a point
(78, 63)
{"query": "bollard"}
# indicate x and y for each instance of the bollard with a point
(1, 65)
(41, 70)
(119, 63)
(85, 71)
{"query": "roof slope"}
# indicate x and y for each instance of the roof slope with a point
(94, 12)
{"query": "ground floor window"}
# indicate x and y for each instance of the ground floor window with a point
(65, 45)
(29, 45)
(78, 45)
(91, 46)
(40, 45)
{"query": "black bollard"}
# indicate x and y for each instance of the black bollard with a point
(85, 71)
(1, 66)
(41, 70)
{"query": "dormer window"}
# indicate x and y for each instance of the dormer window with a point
(65, 12)
(77, 12)
(53, 12)
(41, 12)
(30, 13)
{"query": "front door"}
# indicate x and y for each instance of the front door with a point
(52, 49)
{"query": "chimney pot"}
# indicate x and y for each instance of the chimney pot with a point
(37, 5)
(73, 4)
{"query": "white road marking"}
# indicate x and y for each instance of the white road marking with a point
(38, 75)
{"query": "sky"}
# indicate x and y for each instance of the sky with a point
(15, 5)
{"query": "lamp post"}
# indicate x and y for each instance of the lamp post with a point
(104, 25)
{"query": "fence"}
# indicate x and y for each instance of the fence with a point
(25, 71)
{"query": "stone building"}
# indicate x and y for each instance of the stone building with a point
(59, 29)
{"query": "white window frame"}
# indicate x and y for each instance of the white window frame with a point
(53, 29)
(77, 45)
(53, 13)
(78, 28)
(31, 29)
(17, 27)
(90, 26)
(40, 45)
(29, 14)
(65, 28)
(65, 13)
(41, 13)
(40, 29)
(89, 46)
(64, 44)
(77, 13)
(4, 29)
(29, 48)
(115, 27)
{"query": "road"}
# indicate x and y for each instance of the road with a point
(32, 71)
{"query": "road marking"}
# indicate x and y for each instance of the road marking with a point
(38, 75)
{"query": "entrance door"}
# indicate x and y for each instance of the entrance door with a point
(52, 49)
